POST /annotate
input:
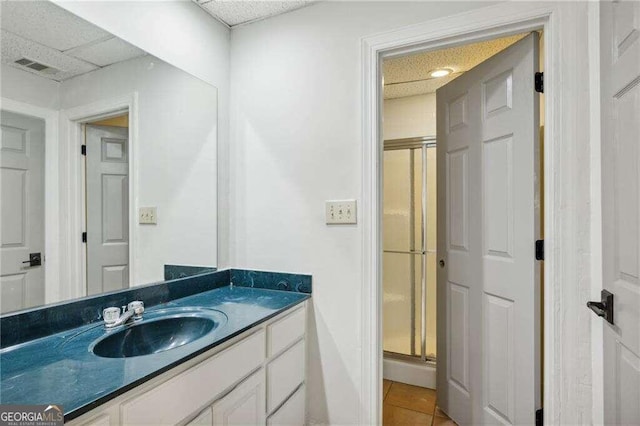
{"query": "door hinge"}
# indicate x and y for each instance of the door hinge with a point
(539, 79)
(84, 237)
(539, 249)
(83, 149)
(539, 417)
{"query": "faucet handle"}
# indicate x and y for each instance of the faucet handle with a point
(111, 314)
(137, 306)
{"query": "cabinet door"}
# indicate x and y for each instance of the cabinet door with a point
(292, 412)
(205, 418)
(185, 394)
(245, 405)
(284, 375)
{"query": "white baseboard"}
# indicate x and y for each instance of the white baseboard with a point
(411, 373)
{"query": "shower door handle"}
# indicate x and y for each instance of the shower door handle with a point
(442, 263)
(405, 251)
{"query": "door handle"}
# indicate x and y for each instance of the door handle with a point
(34, 259)
(604, 308)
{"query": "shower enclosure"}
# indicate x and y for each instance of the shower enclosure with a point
(409, 258)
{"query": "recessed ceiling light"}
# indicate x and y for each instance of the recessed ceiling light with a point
(440, 72)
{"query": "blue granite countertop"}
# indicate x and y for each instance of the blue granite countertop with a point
(61, 369)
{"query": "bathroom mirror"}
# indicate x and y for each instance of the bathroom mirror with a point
(107, 159)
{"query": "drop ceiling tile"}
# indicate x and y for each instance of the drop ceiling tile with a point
(240, 12)
(15, 47)
(48, 24)
(106, 52)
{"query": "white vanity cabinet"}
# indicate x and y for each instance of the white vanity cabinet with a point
(255, 379)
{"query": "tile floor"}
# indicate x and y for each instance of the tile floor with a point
(411, 405)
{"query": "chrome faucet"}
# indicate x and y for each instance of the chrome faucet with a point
(112, 317)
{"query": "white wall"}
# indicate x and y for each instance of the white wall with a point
(410, 117)
(296, 142)
(31, 89)
(182, 34)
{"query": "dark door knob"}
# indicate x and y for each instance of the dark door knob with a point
(441, 263)
(34, 259)
(603, 308)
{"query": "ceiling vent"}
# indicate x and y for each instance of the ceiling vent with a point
(36, 66)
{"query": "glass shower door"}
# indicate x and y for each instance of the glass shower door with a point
(409, 248)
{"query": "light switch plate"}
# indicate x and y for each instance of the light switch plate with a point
(147, 216)
(341, 212)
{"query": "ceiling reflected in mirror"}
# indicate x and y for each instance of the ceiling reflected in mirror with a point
(44, 39)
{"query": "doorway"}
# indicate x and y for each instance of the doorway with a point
(106, 143)
(410, 106)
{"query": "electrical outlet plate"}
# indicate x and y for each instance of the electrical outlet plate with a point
(341, 212)
(147, 216)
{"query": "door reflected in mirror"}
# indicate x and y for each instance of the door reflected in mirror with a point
(107, 204)
(107, 162)
(22, 210)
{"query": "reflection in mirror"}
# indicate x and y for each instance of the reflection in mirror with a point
(107, 162)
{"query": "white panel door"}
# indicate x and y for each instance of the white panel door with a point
(488, 220)
(21, 211)
(107, 170)
(620, 91)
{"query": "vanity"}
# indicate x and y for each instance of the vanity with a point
(255, 378)
(204, 352)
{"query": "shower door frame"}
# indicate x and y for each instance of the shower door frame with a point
(422, 143)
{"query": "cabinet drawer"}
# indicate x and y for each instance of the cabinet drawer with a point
(103, 416)
(284, 374)
(180, 396)
(292, 412)
(285, 331)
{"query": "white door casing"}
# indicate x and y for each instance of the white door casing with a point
(488, 221)
(107, 183)
(22, 157)
(620, 108)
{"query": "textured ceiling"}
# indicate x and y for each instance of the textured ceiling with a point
(45, 33)
(409, 75)
(15, 47)
(236, 12)
(48, 24)
(106, 52)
